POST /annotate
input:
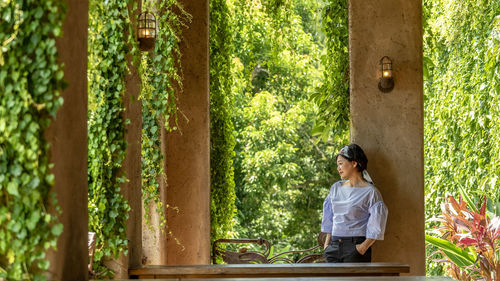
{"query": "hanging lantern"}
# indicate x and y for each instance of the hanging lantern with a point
(146, 31)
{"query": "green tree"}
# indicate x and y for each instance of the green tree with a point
(282, 174)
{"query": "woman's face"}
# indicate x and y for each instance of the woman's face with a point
(346, 168)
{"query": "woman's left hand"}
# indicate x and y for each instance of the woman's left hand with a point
(363, 247)
(361, 250)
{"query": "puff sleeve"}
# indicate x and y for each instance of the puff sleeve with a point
(327, 222)
(375, 228)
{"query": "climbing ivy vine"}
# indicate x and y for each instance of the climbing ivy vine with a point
(332, 97)
(160, 74)
(110, 40)
(462, 105)
(30, 83)
(222, 142)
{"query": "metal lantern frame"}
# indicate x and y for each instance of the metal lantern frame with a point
(386, 82)
(147, 31)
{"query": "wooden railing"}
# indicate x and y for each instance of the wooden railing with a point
(245, 256)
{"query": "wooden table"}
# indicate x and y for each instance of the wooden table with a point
(268, 270)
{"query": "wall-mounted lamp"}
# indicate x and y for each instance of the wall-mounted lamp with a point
(146, 31)
(386, 82)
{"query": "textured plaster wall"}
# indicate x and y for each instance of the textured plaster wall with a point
(68, 138)
(389, 126)
(132, 166)
(187, 150)
(153, 239)
(131, 189)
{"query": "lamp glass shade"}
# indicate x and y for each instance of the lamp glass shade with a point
(146, 31)
(146, 26)
(386, 64)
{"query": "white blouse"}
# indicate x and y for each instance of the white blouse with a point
(354, 211)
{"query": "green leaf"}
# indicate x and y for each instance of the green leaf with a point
(12, 188)
(465, 196)
(16, 170)
(113, 214)
(50, 179)
(57, 229)
(33, 219)
(11, 256)
(44, 264)
(456, 254)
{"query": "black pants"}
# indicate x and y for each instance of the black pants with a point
(343, 249)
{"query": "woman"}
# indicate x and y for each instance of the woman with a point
(354, 214)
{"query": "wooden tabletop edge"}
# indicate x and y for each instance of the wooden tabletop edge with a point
(183, 269)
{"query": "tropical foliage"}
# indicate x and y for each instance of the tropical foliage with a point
(469, 238)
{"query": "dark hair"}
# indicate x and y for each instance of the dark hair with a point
(353, 152)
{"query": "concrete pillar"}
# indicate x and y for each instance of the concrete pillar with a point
(68, 138)
(187, 150)
(154, 237)
(132, 188)
(389, 126)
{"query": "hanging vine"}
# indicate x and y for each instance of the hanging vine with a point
(160, 75)
(222, 141)
(332, 97)
(110, 39)
(30, 85)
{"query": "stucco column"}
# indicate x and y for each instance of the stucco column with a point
(132, 188)
(389, 126)
(187, 149)
(68, 139)
(154, 236)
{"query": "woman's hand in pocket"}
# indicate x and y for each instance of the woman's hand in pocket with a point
(361, 250)
(363, 247)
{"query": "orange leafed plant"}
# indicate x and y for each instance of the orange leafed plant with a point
(469, 241)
